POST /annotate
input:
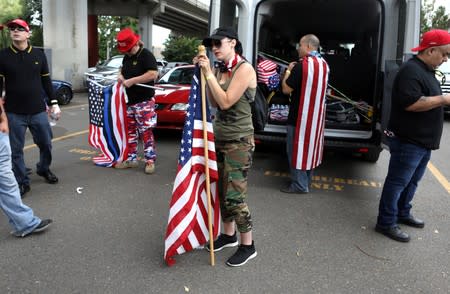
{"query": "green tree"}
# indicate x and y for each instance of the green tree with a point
(180, 48)
(10, 9)
(432, 17)
(32, 13)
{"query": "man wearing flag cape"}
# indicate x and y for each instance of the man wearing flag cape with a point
(306, 82)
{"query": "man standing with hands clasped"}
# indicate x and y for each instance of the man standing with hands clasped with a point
(414, 129)
(25, 73)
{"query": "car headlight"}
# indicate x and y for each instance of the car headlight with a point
(179, 106)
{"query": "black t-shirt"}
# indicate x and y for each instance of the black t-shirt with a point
(414, 80)
(295, 82)
(26, 75)
(136, 65)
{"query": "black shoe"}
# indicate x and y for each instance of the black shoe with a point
(28, 171)
(411, 221)
(24, 188)
(224, 241)
(49, 176)
(43, 225)
(242, 255)
(395, 233)
(289, 190)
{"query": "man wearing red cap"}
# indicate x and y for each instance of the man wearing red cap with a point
(414, 129)
(138, 67)
(25, 72)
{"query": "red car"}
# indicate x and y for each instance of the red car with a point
(172, 103)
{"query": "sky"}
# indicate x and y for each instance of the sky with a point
(160, 34)
(445, 3)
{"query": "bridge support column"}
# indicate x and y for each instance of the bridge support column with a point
(65, 33)
(145, 26)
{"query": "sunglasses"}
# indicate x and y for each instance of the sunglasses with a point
(18, 28)
(218, 43)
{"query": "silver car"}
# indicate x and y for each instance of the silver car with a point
(106, 72)
(443, 75)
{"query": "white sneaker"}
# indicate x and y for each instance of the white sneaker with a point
(127, 164)
(149, 168)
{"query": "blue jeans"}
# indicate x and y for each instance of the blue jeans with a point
(20, 216)
(406, 167)
(42, 137)
(300, 179)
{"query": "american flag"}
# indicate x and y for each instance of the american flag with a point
(309, 130)
(187, 226)
(107, 123)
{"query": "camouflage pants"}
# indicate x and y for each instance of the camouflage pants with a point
(234, 159)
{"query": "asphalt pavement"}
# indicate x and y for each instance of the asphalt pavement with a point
(109, 227)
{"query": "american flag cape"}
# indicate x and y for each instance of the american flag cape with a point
(187, 226)
(108, 123)
(309, 129)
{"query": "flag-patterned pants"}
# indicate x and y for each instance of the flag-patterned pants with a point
(141, 121)
(234, 159)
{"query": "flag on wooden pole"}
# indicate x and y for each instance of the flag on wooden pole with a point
(187, 226)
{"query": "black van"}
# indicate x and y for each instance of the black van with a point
(363, 42)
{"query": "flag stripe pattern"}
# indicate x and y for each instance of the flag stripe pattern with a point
(308, 138)
(107, 123)
(187, 226)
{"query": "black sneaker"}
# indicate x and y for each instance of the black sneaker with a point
(224, 241)
(43, 225)
(242, 255)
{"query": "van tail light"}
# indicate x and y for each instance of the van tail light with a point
(363, 150)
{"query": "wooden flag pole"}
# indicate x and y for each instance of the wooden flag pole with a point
(202, 51)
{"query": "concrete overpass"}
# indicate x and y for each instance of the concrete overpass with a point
(70, 28)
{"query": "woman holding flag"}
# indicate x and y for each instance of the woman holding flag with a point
(231, 87)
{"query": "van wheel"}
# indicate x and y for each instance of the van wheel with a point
(372, 155)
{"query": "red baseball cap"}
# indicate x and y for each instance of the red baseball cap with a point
(433, 38)
(19, 22)
(126, 39)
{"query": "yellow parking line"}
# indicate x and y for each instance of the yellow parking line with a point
(59, 138)
(439, 176)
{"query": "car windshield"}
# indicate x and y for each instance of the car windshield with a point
(179, 75)
(114, 62)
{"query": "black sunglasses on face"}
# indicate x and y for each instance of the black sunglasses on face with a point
(218, 43)
(18, 28)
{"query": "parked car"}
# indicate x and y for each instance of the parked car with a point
(172, 102)
(173, 64)
(443, 75)
(63, 92)
(161, 65)
(104, 72)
